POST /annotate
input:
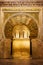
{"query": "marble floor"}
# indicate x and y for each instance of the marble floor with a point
(21, 61)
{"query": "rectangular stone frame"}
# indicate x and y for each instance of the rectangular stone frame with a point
(19, 9)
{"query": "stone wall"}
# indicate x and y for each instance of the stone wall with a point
(37, 44)
(7, 48)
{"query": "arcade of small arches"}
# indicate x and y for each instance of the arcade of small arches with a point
(21, 32)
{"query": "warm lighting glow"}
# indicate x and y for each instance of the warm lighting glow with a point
(21, 48)
(21, 43)
(21, 55)
(21, 32)
(17, 35)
